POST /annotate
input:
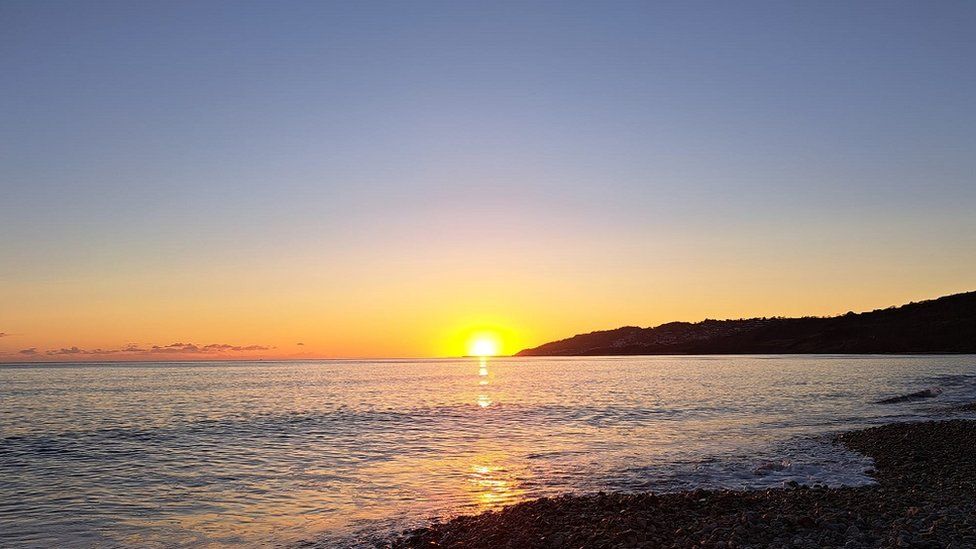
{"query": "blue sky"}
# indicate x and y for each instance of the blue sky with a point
(628, 145)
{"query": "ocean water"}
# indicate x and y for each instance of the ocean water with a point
(338, 452)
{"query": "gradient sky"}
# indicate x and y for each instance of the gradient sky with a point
(385, 179)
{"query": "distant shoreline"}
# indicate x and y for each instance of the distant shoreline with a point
(946, 325)
(924, 496)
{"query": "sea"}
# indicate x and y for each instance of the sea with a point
(341, 453)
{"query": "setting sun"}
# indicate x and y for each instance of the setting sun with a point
(483, 346)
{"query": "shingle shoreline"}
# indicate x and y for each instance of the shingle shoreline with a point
(925, 497)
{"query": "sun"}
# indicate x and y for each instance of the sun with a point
(483, 345)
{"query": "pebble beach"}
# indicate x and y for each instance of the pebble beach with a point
(924, 497)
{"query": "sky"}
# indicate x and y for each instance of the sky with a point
(185, 180)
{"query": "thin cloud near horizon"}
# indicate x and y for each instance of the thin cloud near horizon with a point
(172, 348)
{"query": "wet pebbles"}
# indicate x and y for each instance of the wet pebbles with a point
(925, 497)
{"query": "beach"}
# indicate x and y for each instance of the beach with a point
(924, 497)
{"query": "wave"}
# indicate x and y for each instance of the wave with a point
(931, 392)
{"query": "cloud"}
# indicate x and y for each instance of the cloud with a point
(300, 344)
(206, 349)
(175, 348)
(77, 351)
(225, 347)
(172, 348)
(29, 352)
(220, 347)
(67, 351)
(4, 334)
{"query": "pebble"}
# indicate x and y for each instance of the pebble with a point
(925, 497)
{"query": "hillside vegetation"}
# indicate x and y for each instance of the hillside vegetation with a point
(943, 325)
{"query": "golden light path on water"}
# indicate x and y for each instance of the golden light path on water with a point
(492, 481)
(483, 399)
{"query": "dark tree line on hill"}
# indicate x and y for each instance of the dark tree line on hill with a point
(943, 325)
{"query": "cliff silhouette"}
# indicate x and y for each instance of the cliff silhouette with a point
(943, 325)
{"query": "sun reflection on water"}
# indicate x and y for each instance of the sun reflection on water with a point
(484, 400)
(492, 485)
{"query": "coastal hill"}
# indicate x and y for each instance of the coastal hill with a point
(943, 325)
